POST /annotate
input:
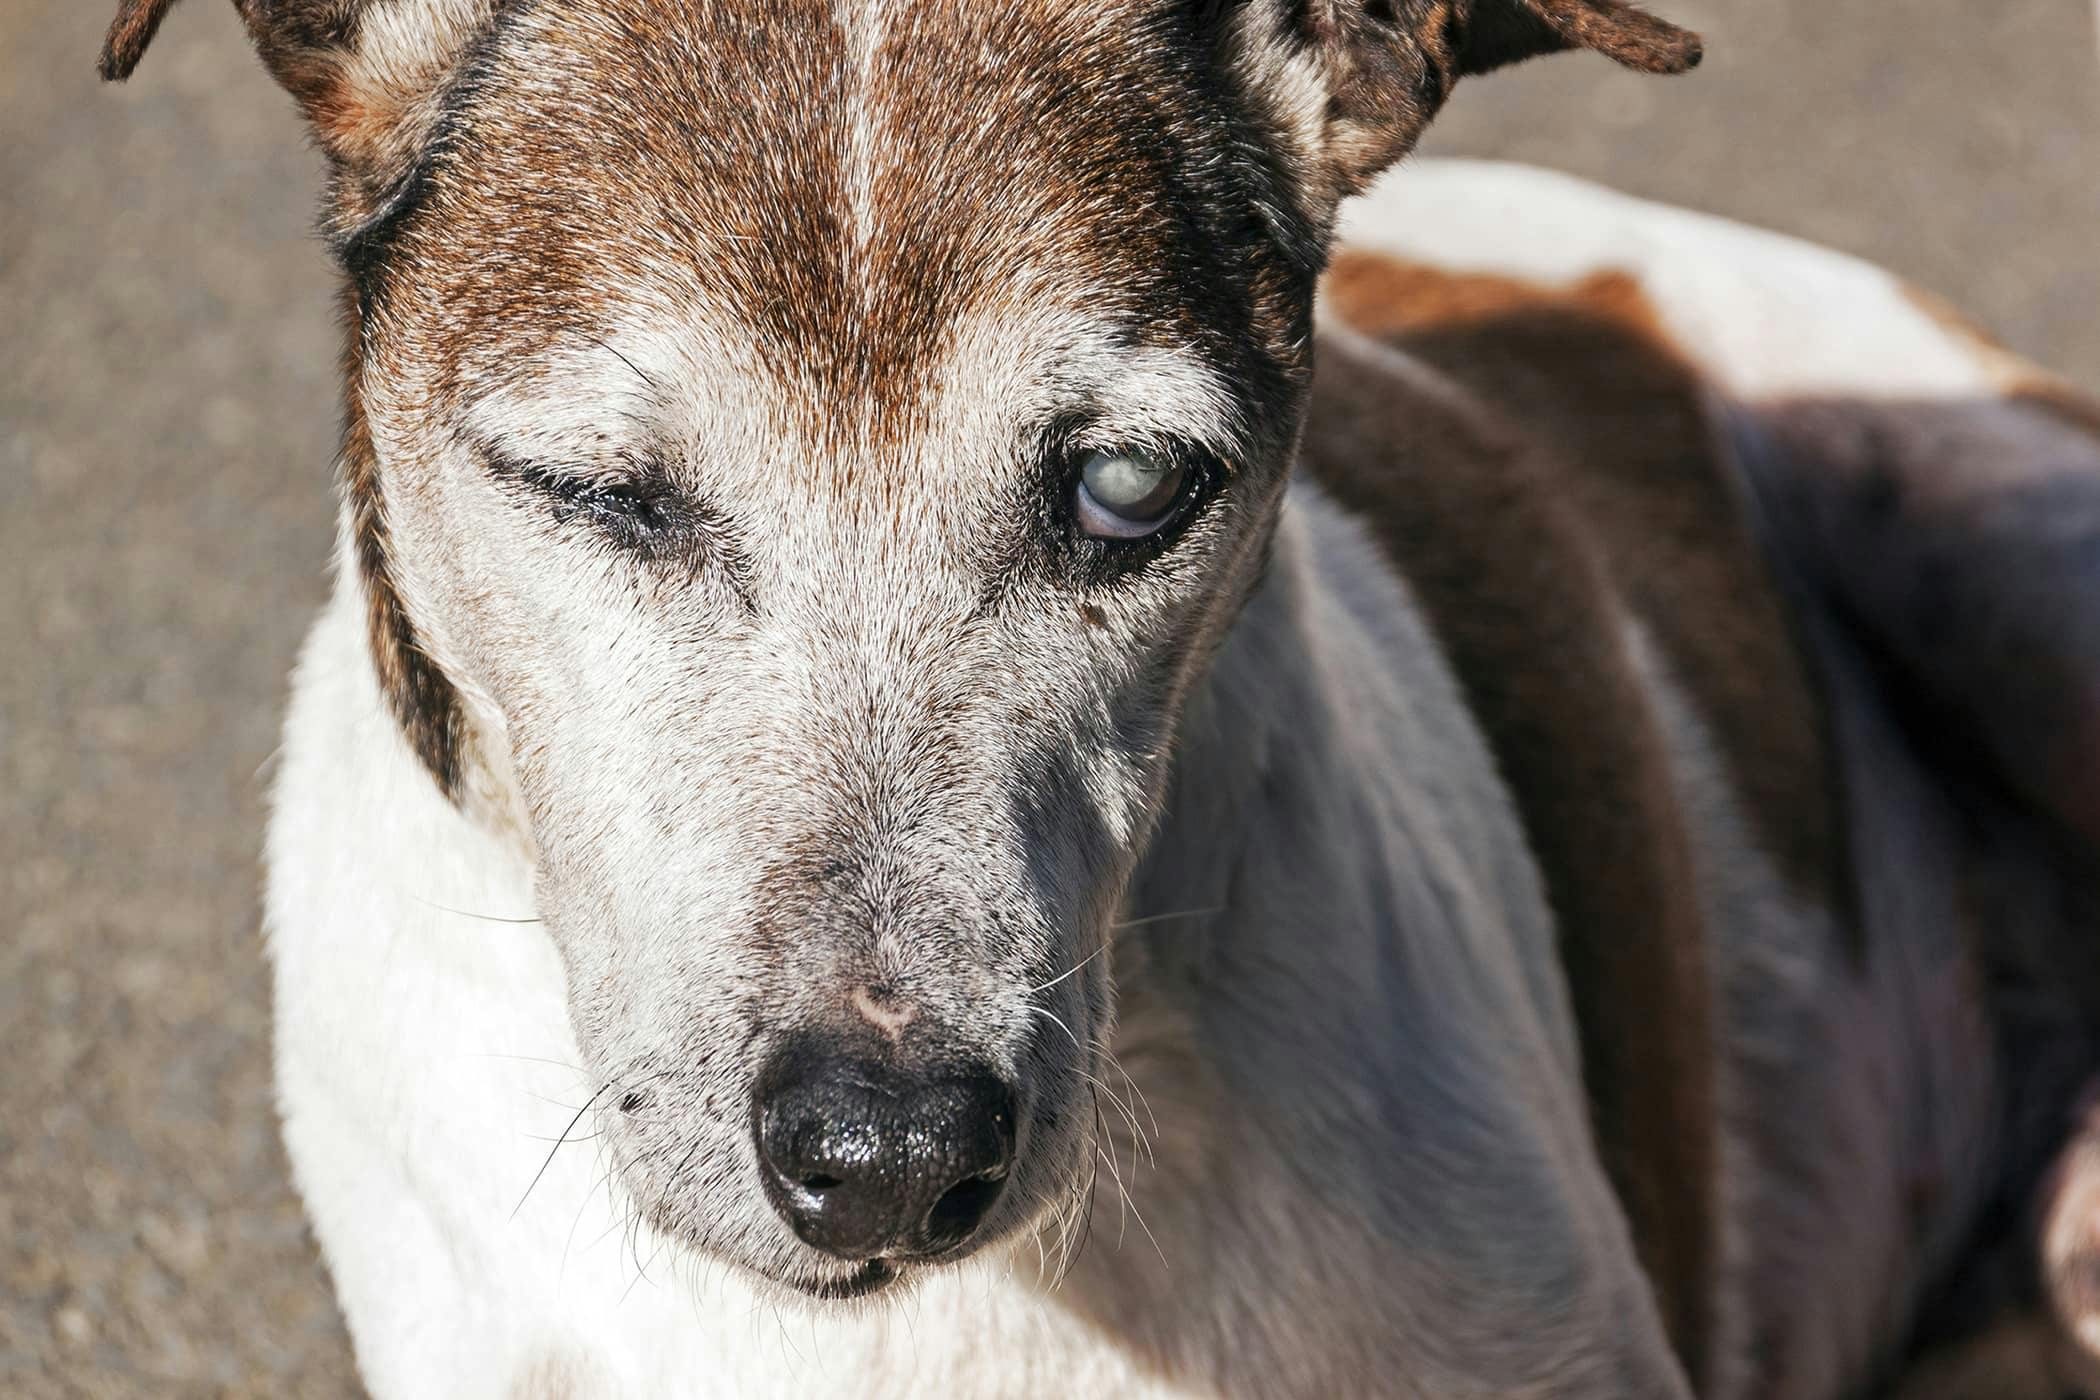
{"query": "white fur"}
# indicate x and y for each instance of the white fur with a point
(424, 1068)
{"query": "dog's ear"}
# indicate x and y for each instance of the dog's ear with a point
(1491, 33)
(367, 72)
(1356, 81)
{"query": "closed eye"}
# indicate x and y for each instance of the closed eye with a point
(640, 503)
(636, 507)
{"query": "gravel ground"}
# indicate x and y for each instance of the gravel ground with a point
(166, 410)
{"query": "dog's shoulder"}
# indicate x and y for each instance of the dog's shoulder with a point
(1615, 472)
(1630, 461)
(1553, 471)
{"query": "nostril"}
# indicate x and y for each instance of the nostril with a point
(956, 1214)
(821, 1182)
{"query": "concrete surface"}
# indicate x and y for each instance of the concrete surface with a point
(166, 413)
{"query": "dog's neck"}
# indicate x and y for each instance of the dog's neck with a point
(1330, 707)
(1334, 820)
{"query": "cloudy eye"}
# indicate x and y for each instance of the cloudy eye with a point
(1127, 494)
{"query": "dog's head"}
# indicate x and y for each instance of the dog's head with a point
(816, 447)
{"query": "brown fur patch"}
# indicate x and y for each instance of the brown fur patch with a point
(129, 33)
(1564, 474)
(1587, 369)
(842, 196)
(1384, 296)
(422, 698)
(1521, 594)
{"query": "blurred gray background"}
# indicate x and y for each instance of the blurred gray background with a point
(166, 418)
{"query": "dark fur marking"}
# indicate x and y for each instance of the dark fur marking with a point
(1519, 591)
(362, 248)
(421, 697)
(1962, 540)
(133, 29)
(1955, 547)
(1640, 458)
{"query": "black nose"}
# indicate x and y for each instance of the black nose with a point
(866, 1163)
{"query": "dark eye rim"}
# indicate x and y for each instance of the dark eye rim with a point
(1101, 559)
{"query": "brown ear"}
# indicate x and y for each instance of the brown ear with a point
(1499, 32)
(129, 34)
(1380, 69)
(370, 90)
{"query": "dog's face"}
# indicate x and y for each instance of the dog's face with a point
(826, 444)
(832, 448)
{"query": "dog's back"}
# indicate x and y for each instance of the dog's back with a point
(1771, 584)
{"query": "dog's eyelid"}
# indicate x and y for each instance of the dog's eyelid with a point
(1070, 439)
(632, 495)
(585, 471)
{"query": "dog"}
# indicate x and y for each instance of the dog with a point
(897, 798)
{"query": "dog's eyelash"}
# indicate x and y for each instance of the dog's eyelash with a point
(641, 504)
(643, 514)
